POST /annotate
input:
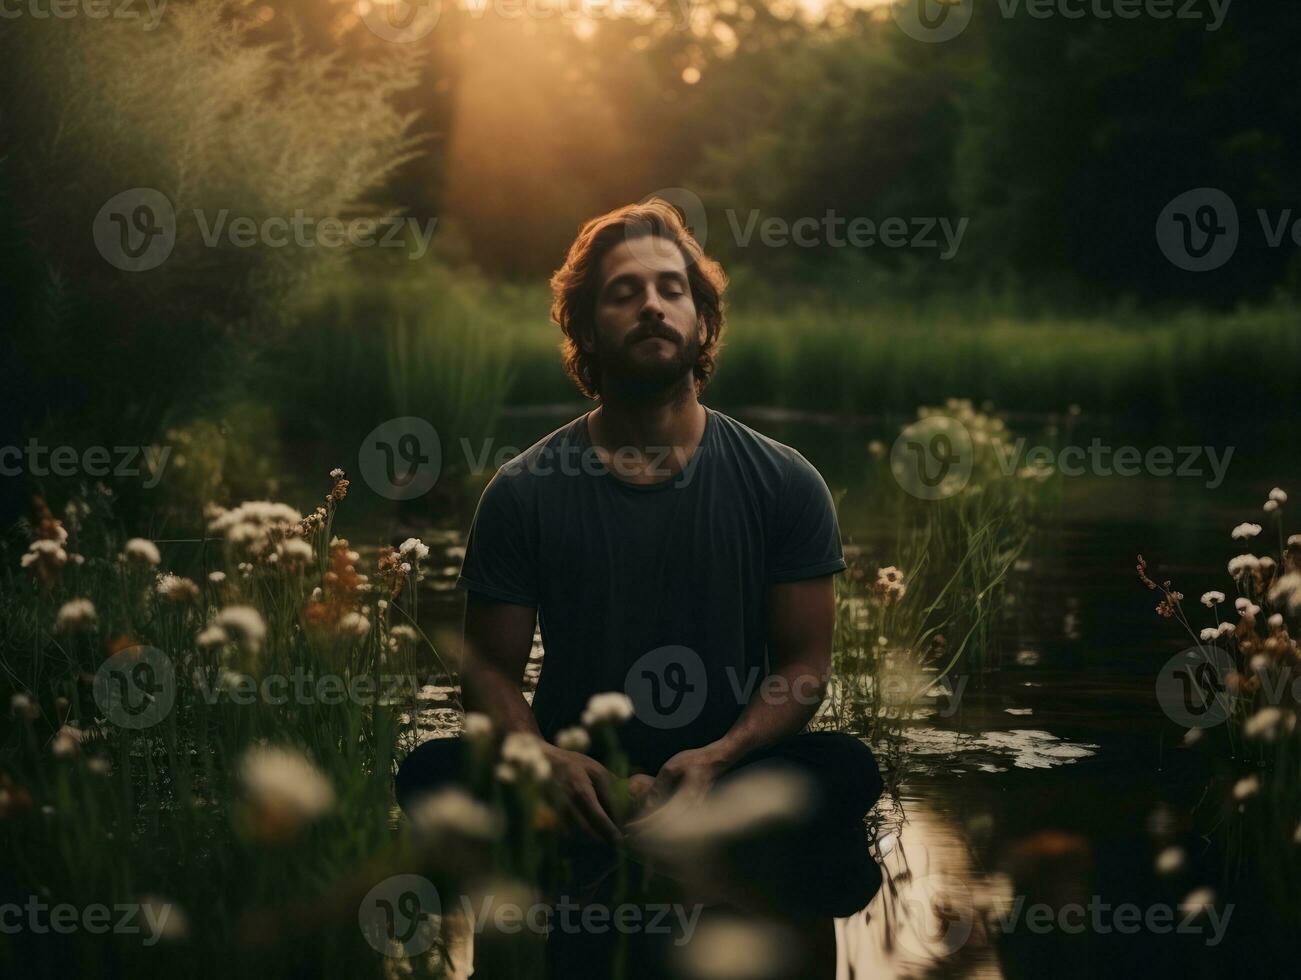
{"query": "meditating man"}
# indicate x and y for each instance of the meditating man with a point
(669, 552)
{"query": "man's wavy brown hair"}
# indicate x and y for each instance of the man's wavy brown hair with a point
(577, 284)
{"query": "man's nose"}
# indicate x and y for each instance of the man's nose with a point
(652, 308)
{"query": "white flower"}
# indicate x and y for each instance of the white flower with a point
(216, 578)
(42, 549)
(1209, 634)
(1287, 589)
(477, 724)
(1275, 621)
(1294, 541)
(22, 706)
(1244, 531)
(253, 524)
(243, 625)
(142, 552)
(523, 752)
(1226, 629)
(211, 636)
(1278, 496)
(1264, 724)
(1170, 860)
(284, 789)
(336, 474)
(295, 551)
(413, 546)
(75, 616)
(1270, 506)
(611, 706)
(1260, 662)
(176, 588)
(67, 742)
(1210, 599)
(454, 811)
(1246, 607)
(573, 739)
(1241, 565)
(1197, 902)
(1245, 787)
(354, 624)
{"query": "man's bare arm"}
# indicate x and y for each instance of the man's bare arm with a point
(498, 638)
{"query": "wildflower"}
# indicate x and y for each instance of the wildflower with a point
(211, 636)
(611, 707)
(295, 552)
(1242, 565)
(1226, 629)
(141, 551)
(1244, 531)
(413, 546)
(523, 753)
(243, 625)
(1270, 506)
(1246, 608)
(573, 739)
(1278, 496)
(1287, 589)
(1245, 787)
(737, 808)
(1197, 901)
(477, 724)
(1275, 621)
(75, 616)
(1210, 599)
(44, 555)
(1264, 724)
(336, 474)
(1208, 634)
(216, 578)
(22, 707)
(283, 791)
(171, 921)
(1170, 860)
(454, 812)
(354, 624)
(67, 742)
(255, 524)
(175, 588)
(1259, 662)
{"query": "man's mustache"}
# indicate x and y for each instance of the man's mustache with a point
(653, 329)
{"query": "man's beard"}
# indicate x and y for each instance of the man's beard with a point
(621, 370)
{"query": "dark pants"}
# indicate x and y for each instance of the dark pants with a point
(820, 866)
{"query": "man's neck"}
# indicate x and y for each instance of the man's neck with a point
(661, 432)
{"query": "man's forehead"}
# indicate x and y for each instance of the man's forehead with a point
(644, 255)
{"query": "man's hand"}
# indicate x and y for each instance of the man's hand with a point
(585, 784)
(688, 776)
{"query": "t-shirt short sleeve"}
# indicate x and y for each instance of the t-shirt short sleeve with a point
(500, 555)
(806, 535)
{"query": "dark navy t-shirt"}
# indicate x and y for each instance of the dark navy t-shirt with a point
(659, 590)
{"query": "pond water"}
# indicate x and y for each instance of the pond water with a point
(1041, 795)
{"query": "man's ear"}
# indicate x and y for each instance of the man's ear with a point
(702, 330)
